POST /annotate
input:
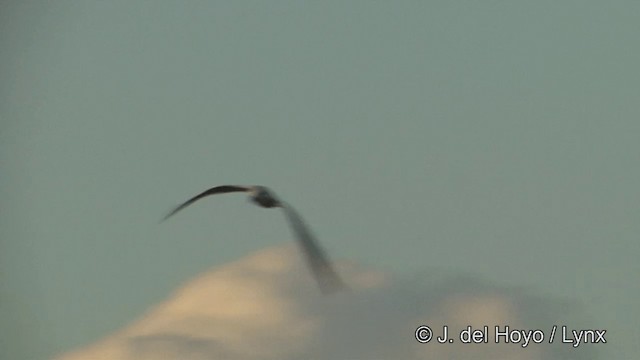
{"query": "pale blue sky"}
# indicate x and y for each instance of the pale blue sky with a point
(497, 138)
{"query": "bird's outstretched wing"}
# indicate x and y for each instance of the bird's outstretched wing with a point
(215, 190)
(320, 265)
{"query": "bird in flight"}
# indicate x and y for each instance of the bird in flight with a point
(318, 261)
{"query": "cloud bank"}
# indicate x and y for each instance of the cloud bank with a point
(267, 306)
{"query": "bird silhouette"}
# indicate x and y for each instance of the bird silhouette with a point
(318, 261)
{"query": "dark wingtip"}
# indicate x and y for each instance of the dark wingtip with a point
(330, 282)
(170, 214)
(331, 289)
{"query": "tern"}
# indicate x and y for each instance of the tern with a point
(318, 261)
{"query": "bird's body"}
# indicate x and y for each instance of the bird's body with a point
(321, 267)
(264, 197)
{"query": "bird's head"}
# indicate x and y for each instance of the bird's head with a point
(264, 197)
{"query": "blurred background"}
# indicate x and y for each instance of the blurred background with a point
(498, 139)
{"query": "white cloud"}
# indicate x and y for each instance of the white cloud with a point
(267, 306)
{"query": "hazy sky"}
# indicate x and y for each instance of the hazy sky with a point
(216, 316)
(494, 138)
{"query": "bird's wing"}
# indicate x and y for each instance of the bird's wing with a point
(215, 190)
(320, 265)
